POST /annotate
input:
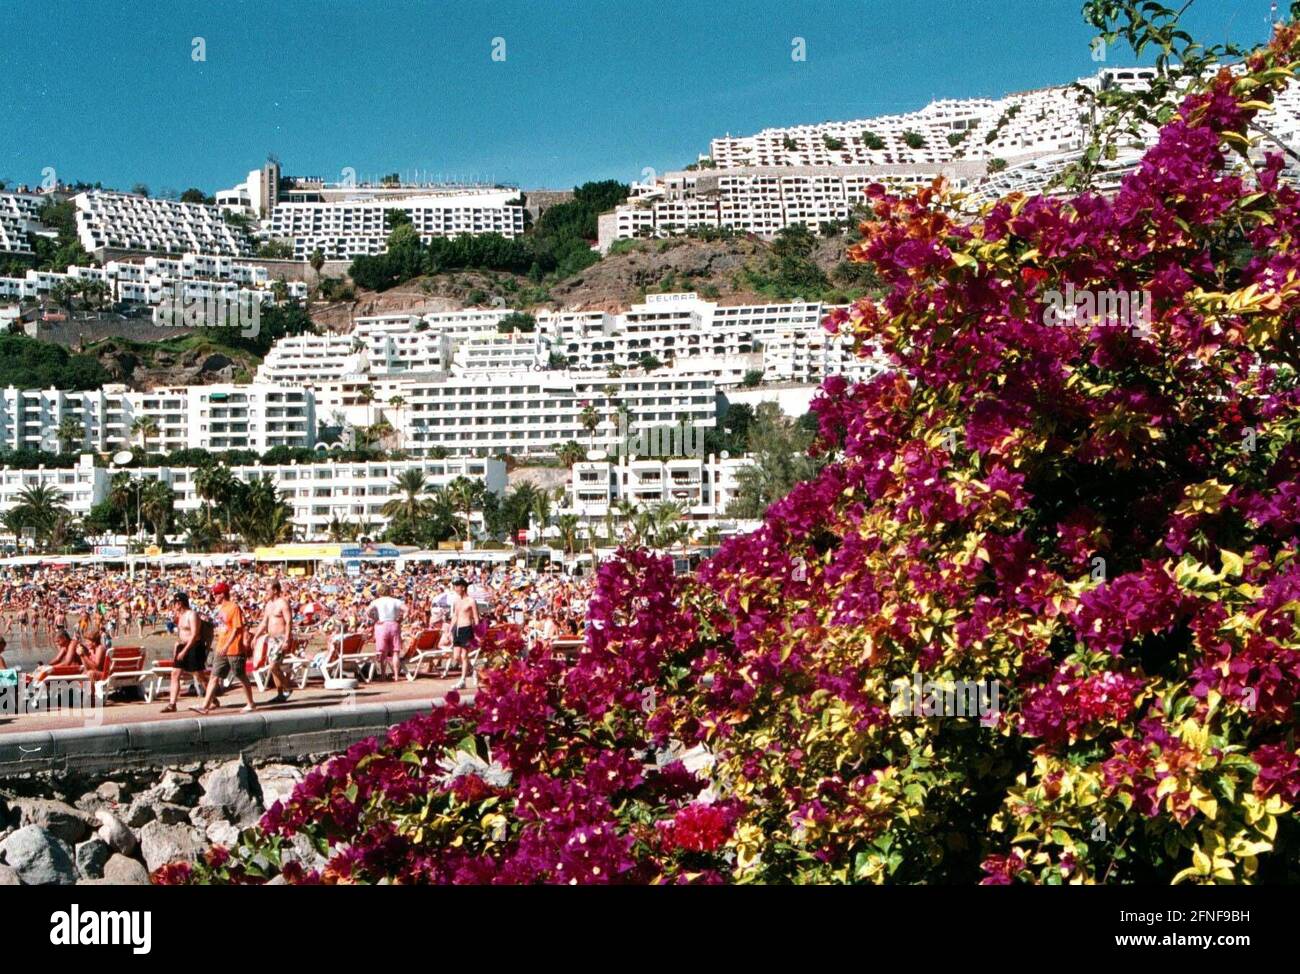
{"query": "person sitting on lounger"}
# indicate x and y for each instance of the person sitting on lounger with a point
(68, 649)
(93, 653)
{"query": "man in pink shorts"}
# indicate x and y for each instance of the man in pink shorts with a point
(387, 613)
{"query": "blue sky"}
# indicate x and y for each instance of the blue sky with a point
(588, 89)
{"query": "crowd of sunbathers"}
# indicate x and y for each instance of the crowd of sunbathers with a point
(259, 615)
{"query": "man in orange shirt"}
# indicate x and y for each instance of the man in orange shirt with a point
(230, 649)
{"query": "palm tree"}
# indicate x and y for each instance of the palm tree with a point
(95, 292)
(411, 506)
(398, 403)
(70, 431)
(337, 529)
(541, 509)
(567, 525)
(64, 293)
(590, 419)
(317, 261)
(464, 495)
(65, 530)
(198, 531)
(144, 427)
(157, 502)
(122, 489)
(367, 397)
(38, 508)
(668, 529)
(657, 526)
(379, 432)
(262, 517)
(570, 453)
(215, 484)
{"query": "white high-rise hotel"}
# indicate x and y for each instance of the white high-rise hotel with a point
(210, 417)
(123, 221)
(318, 494)
(349, 219)
(814, 174)
(341, 220)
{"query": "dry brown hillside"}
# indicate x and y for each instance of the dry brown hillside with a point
(714, 269)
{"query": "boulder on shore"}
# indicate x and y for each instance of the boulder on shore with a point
(39, 857)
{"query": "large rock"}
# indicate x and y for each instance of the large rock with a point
(121, 871)
(177, 787)
(222, 833)
(304, 852)
(233, 788)
(204, 816)
(91, 856)
(39, 857)
(90, 803)
(59, 818)
(161, 844)
(9, 876)
(277, 782)
(140, 813)
(114, 832)
(113, 792)
(170, 814)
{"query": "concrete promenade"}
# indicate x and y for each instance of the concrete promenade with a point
(127, 735)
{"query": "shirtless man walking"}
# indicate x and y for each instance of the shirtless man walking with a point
(189, 657)
(464, 617)
(277, 629)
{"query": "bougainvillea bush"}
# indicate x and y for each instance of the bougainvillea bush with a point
(1097, 516)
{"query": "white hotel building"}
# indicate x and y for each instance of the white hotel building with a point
(344, 229)
(19, 216)
(348, 492)
(679, 330)
(156, 279)
(210, 417)
(318, 493)
(760, 201)
(704, 486)
(810, 174)
(517, 413)
(123, 221)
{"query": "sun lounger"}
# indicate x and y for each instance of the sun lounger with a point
(124, 667)
(352, 654)
(426, 649)
(261, 673)
(66, 675)
(159, 676)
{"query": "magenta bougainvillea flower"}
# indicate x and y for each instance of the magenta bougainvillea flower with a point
(1076, 542)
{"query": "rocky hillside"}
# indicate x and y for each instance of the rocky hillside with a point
(181, 361)
(730, 271)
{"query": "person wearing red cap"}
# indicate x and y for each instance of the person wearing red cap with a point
(231, 650)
